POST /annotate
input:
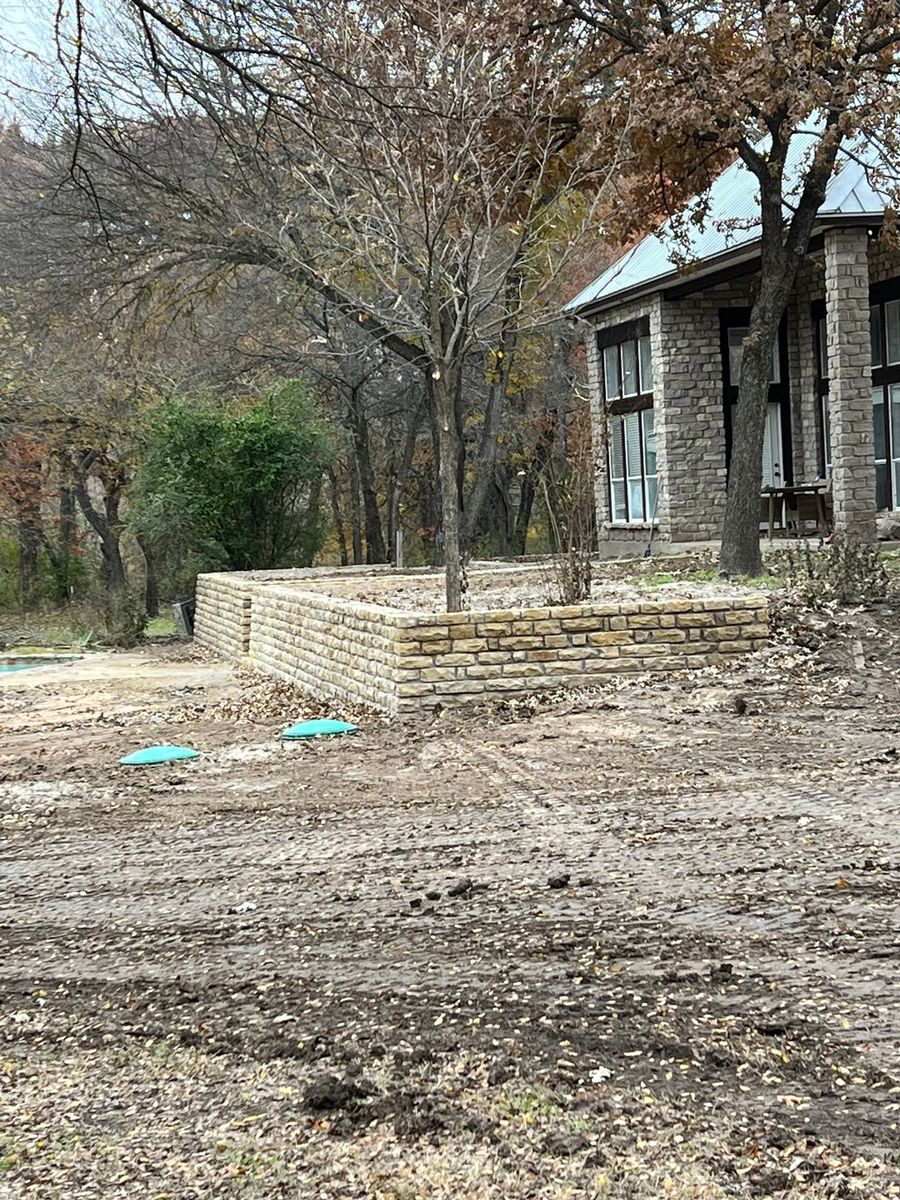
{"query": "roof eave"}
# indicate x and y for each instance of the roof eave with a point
(709, 266)
(706, 267)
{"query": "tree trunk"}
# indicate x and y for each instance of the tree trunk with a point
(105, 525)
(486, 459)
(314, 513)
(28, 561)
(336, 516)
(30, 524)
(151, 584)
(359, 426)
(781, 251)
(399, 481)
(355, 527)
(444, 395)
(484, 467)
(66, 539)
(111, 545)
(543, 449)
(433, 520)
(504, 521)
(740, 554)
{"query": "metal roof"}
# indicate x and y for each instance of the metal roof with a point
(731, 223)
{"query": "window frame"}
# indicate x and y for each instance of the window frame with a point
(618, 409)
(779, 390)
(884, 296)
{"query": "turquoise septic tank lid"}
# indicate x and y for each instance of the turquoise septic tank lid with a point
(320, 728)
(158, 754)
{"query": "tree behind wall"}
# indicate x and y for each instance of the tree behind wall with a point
(743, 79)
(424, 172)
(238, 490)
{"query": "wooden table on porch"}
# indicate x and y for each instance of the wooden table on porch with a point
(783, 494)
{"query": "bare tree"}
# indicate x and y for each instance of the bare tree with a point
(417, 170)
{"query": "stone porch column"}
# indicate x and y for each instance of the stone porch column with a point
(850, 382)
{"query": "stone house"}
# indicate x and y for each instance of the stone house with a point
(664, 344)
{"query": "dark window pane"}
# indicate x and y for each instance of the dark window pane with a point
(616, 453)
(629, 369)
(881, 488)
(875, 333)
(618, 502)
(611, 372)
(650, 441)
(736, 335)
(646, 365)
(878, 417)
(892, 322)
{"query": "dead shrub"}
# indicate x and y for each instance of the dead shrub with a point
(571, 516)
(115, 618)
(843, 573)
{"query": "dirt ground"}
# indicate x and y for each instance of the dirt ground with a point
(639, 942)
(539, 585)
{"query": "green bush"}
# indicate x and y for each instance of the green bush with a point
(222, 489)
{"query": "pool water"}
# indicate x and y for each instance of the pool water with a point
(25, 664)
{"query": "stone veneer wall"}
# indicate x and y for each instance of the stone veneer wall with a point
(225, 599)
(327, 644)
(850, 382)
(222, 617)
(884, 260)
(409, 662)
(686, 346)
(694, 421)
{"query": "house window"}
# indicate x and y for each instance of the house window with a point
(884, 325)
(892, 332)
(628, 392)
(885, 329)
(632, 467)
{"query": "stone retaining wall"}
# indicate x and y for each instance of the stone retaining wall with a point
(405, 662)
(458, 657)
(222, 617)
(224, 600)
(328, 645)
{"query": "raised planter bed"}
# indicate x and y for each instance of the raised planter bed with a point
(318, 634)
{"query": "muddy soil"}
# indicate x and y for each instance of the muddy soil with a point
(637, 942)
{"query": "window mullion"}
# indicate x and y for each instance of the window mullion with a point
(643, 455)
